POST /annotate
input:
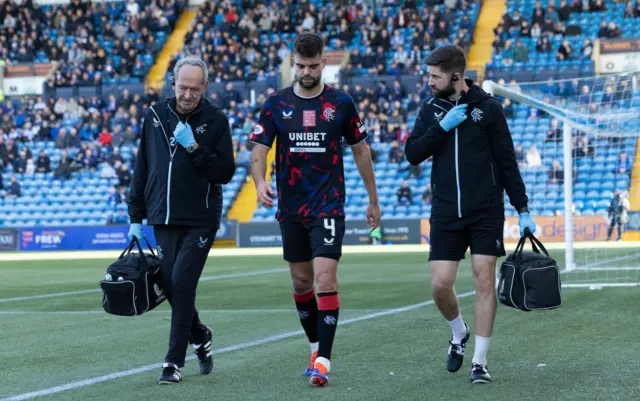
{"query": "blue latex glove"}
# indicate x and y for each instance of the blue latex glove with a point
(454, 117)
(525, 221)
(184, 134)
(136, 231)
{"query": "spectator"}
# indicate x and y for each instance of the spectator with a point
(556, 173)
(533, 158)
(243, 158)
(121, 217)
(64, 168)
(396, 154)
(597, 6)
(618, 213)
(43, 164)
(20, 164)
(124, 175)
(520, 156)
(14, 188)
(564, 12)
(624, 165)
(564, 51)
(404, 194)
(587, 49)
(583, 147)
(114, 198)
(107, 171)
(427, 195)
(520, 53)
(508, 54)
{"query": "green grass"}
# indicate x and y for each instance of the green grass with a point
(587, 345)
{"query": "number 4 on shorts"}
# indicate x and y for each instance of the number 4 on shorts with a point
(330, 224)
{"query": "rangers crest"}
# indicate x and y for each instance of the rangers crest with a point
(328, 112)
(476, 115)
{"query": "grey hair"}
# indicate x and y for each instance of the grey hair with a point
(192, 60)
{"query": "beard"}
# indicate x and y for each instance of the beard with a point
(445, 93)
(308, 82)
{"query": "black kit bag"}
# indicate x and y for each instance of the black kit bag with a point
(133, 283)
(530, 280)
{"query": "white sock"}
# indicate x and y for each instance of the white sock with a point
(325, 362)
(482, 347)
(314, 347)
(458, 329)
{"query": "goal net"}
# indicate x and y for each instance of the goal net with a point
(577, 145)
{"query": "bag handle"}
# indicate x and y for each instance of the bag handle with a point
(535, 243)
(135, 241)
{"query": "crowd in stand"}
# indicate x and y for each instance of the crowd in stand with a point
(89, 132)
(229, 36)
(551, 22)
(100, 32)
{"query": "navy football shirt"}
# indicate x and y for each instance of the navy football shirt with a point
(309, 165)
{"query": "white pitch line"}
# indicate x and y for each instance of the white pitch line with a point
(168, 313)
(79, 292)
(117, 375)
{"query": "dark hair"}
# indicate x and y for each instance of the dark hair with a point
(449, 58)
(308, 45)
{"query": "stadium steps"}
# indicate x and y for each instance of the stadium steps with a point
(246, 203)
(634, 193)
(481, 48)
(174, 45)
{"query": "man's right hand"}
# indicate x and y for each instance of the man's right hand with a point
(266, 194)
(135, 230)
(454, 117)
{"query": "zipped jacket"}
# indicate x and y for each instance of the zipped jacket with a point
(474, 163)
(173, 186)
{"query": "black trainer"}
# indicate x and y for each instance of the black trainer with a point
(456, 352)
(204, 354)
(479, 374)
(170, 374)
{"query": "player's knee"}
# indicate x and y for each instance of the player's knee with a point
(326, 282)
(301, 276)
(441, 285)
(485, 282)
(302, 284)
(326, 275)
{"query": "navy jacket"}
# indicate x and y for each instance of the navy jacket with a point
(171, 186)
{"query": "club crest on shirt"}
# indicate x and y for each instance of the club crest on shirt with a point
(259, 129)
(476, 115)
(201, 129)
(328, 112)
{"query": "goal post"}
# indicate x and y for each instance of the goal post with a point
(585, 132)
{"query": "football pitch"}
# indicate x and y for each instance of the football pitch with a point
(58, 343)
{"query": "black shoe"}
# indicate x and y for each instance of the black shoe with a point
(479, 374)
(204, 354)
(170, 374)
(456, 352)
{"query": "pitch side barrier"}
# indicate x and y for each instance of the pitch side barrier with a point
(267, 234)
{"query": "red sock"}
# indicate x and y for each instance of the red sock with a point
(308, 313)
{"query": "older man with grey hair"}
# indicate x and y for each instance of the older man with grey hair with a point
(185, 156)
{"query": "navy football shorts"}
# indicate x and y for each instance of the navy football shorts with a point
(304, 241)
(483, 233)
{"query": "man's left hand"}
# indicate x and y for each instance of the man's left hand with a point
(373, 215)
(184, 134)
(526, 222)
